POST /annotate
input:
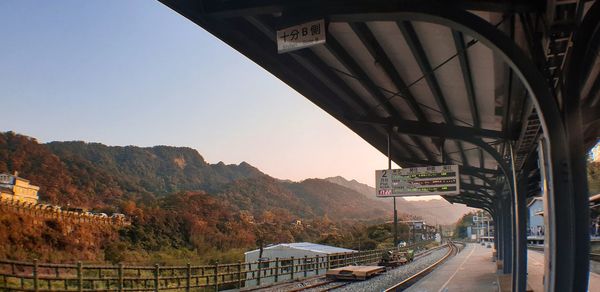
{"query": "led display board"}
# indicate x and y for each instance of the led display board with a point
(418, 181)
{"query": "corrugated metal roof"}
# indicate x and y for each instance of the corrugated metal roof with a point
(309, 246)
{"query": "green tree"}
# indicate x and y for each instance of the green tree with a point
(462, 224)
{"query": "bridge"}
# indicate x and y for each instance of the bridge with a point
(506, 89)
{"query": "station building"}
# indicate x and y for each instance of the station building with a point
(281, 255)
(17, 189)
(535, 220)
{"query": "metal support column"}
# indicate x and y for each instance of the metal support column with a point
(496, 241)
(507, 232)
(519, 264)
(499, 229)
(549, 218)
(586, 42)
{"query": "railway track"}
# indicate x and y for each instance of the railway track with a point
(452, 250)
(325, 286)
(329, 285)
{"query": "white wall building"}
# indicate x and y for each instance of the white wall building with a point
(283, 252)
(535, 222)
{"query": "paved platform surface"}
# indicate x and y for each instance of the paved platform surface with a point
(471, 270)
(535, 272)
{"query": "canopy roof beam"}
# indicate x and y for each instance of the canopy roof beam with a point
(418, 52)
(437, 130)
(369, 41)
(237, 8)
(338, 51)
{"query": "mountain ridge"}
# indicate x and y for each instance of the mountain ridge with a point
(94, 175)
(435, 210)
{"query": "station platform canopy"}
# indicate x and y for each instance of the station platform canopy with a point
(481, 84)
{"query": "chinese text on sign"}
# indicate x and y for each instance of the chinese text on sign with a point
(418, 181)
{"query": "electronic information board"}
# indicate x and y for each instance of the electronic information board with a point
(418, 181)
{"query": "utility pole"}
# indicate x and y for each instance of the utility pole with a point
(389, 149)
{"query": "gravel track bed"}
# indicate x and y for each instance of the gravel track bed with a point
(296, 285)
(392, 277)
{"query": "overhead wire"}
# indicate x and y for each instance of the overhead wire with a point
(399, 93)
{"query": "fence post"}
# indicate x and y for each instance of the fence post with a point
(317, 265)
(292, 272)
(120, 277)
(239, 274)
(35, 275)
(328, 262)
(79, 276)
(188, 280)
(305, 266)
(276, 269)
(156, 277)
(258, 277)
(217, 276)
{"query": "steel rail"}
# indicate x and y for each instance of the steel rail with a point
(339, 285)
(453, 249)
(344, 283)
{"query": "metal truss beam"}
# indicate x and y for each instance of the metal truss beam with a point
(418, 52)
(238, 8)
(411, 38)
(378, 54)
(461, 50)
(338, 51)
(475, 187)
(445, 131)
(420, 128)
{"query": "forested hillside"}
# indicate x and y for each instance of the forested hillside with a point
(177, 201)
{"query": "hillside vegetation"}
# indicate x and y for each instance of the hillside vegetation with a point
(181, 206)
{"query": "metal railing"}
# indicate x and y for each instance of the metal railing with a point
(34, 276)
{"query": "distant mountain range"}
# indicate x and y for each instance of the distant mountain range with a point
(95, 176)
(436, 210)
(181, 206)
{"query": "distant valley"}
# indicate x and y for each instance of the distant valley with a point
(436, 210)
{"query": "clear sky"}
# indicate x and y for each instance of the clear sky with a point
(136, 73)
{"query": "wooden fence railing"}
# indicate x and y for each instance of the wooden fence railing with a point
(34, 276)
